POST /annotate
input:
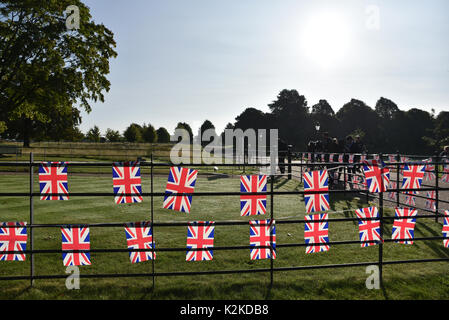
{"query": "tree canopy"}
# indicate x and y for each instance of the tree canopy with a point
(46, 68)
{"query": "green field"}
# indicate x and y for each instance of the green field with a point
(404, 281)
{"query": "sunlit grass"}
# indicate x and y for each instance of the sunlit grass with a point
(405, 281)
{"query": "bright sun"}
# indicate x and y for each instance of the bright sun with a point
(326, 39)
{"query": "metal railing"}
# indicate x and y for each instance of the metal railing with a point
(380, 262)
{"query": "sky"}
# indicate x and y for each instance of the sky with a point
(188, 61)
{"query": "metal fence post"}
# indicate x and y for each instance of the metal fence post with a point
(271, 232)
(31, 218)
(152, 220)
(381, 216)
(289, 160)
(398, 167)
(437, 169)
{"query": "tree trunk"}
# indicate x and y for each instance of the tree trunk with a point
(26, 132)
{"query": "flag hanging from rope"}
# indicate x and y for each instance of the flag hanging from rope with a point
(369, 228)
(316, 234)
(13, 239)
(200, 235)
(139, 235)
(316, 181)
(75, 238)
(446, 228)
(404, 228)
(253, 204)
(126, 182)
(412, 176)
(180, 180)
(262, 233)
(429, 171)
(377, 175)
(53, 181)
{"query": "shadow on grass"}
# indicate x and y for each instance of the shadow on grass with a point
(213, 177)
(436, 247)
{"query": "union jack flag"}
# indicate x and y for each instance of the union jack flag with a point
(358, 182)
(410, 199)
(412, 176)
(253, 204)
(369, 230)
(331, 157)
(404, 228)
(180, 180)
(139, 235)
(392, 194)
(445, 176)
(13, 239)
(404, 159)
(53, 180)
(262, 233)
(351, 158)
(316, 233)
(429, 171)
(316, 181)
(200, 235)
(75, 238)
(340, 158)
(127, 182)
(377, 176)
(322, 157)
(446, 228)
(431, 199)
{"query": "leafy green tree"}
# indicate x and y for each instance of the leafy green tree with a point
(162, 135)
(357, 115)
(251, 118)
(93, 135)
(185, 126)
(44, 67)
(323, 114)
(149, 133)
(291, 116)
(205, 126)
(133, 133)
(113, 135)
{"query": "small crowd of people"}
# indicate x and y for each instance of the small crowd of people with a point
(333, 147)
(328, 145)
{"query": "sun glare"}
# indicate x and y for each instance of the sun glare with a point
(326, 39)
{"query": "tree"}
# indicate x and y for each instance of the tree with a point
(113, 135)
(44, 67)
(251, 118)
(205, 126)
(386, 109)
(291, 116)
(93, 135)
(133, 133)
(162, 135)
(323, 107)
(185, 126)
(357, 115)
(149, 133)
(323, 114)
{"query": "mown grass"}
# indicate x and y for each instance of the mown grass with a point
(405, 281)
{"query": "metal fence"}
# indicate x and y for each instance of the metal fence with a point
(301, 165)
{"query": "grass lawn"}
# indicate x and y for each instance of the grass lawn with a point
(403, 281)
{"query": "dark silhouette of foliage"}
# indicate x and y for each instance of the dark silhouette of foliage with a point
(162, 135)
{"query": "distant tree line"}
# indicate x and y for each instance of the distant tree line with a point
(384, 128)
(133, 133)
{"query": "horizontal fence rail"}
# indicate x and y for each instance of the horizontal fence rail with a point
(303, 165)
